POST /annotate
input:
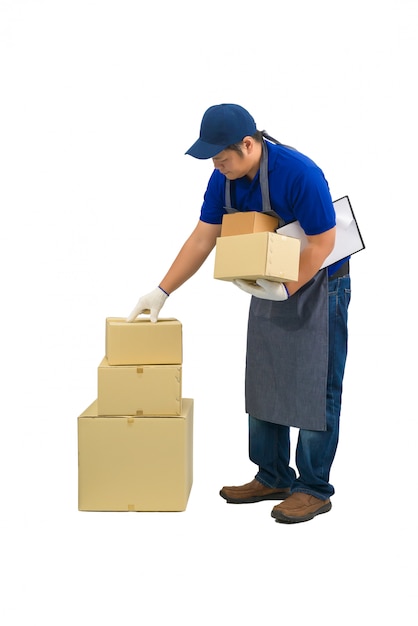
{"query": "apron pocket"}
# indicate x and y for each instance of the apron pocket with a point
(289, 314)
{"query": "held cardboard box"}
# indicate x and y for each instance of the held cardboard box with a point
(257, 255)
(149, 390)
(135, 463)
(243, 223)
(143, 342)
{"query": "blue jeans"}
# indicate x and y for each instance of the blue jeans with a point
(269, 444)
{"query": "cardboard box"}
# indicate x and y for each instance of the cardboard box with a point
(135, 463)
(257, 255)
(243, 223)
(143, 342)
(149, 390)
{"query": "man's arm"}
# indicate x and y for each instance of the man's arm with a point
(191, 256)
(312, 257)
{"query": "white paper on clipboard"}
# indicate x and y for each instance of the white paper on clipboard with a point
(348, 238)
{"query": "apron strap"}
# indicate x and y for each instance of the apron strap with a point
(228, 203)
(264, 186)
(264, 183)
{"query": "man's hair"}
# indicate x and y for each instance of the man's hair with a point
(237, 147)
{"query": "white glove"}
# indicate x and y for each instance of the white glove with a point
(264, 289)
(150, 303)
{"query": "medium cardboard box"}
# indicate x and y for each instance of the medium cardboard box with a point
(149, 390)
(143, 342)
(135, 463)
(257, 255)
(243, 223)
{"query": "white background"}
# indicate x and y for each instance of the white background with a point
(99, 101)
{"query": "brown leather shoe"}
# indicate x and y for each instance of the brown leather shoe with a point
(252, 492)
(300, 507)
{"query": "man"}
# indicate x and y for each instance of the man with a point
(297, 331)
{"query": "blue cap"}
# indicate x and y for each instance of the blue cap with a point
(222, 125)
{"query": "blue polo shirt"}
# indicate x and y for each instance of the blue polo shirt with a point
(298, 191)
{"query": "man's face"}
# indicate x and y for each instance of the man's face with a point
(232, 164)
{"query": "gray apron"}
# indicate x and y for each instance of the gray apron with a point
(287, 346)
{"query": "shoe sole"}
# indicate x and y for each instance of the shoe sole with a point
(284, 519)
(272, 496)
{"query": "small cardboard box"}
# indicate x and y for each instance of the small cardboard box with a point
(243, 223)
(143, 342)
(149, 390)
(135, 463)
(257, 255)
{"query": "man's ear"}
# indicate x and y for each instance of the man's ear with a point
(248, 144)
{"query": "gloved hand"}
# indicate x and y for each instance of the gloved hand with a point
(150, 303)
(264, 289)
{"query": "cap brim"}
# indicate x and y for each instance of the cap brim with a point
(202, 150)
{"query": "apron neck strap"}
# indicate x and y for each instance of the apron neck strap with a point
(264, 186)
(264, 182)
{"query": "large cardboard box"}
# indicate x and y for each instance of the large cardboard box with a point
(143, 342)
(242, 223)
(135, 463)
(149, 390)
(257, 255)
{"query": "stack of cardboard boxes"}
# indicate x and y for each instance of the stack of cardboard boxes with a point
(135, 441)
(249, 248)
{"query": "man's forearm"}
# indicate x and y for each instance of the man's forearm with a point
(191, 257)
(312, 258)
(187, 262)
